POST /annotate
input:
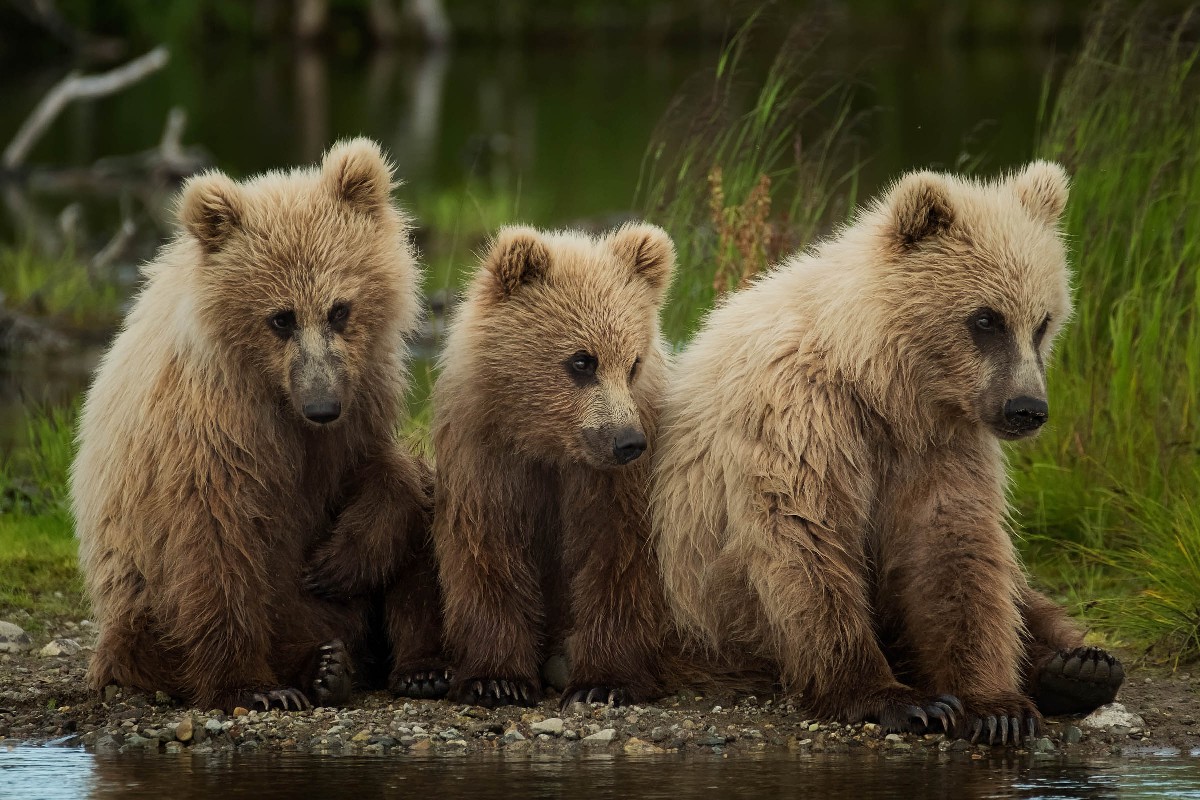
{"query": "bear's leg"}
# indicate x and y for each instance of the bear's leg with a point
(216, 597)
(615, 593)
(131, 653)
(315, 642)
(950, 577)
(413, 617)
(491, 593)
(1061, 674)
(389, 509)
(813, 595)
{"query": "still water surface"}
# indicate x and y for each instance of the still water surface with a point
(48, 773)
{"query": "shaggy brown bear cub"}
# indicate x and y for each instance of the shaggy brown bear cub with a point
(543, 413)
(829, 481)
(239, 442)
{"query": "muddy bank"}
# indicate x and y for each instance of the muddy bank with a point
(43, 700)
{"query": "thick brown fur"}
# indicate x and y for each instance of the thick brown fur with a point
(829, 486)
(542, 536)
(206, 499)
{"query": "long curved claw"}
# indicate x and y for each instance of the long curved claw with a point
(953, 702)
(991, 728)
(917, 713)
(949, 720)
(1014, 727)
(936, 715)
(977, 729)
(1003, 729)
(262, 698)
(595, 695)
(1031, 726)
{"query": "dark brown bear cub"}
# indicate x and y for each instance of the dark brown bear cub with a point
(544, 413)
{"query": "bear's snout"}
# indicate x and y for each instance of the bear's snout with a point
(322, 412)
(628, 444)
(1025, 414)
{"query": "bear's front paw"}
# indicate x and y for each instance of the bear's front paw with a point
(1077, 681)
(492, 692)
(614, 696)
(425, 684)
(914, 714)
(334, 678)
(999, 719)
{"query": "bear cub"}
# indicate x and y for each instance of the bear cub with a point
(242, 503)
(544, 415)
(829, 482)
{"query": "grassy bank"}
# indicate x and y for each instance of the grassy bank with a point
(1118, 472)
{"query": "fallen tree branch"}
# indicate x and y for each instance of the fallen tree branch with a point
(78, 87)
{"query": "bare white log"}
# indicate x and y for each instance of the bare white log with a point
(78, 87)
(115, 248)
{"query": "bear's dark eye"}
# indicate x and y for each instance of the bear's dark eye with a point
(582, 366)
(283, 323)
(339, 315)
(985, 320)
(633, 370)
(1040, 333)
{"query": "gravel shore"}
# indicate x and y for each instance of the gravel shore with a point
(43, 700)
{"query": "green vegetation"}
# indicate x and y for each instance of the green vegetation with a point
(1118, 472)
(37, 545)
(60, 287)
(716, 171)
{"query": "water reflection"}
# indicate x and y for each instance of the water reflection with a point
(52, 773)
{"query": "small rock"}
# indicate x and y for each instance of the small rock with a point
(710, 740)
(13, 638)
(893, 737)
(184, 730)
(1043, 745)
(1072, 735)
(60, 647)
(513, 735)
(601, 737)
(450, 734)
(240, 712)
(1110, 716)
(174, 747)
(162, 699)
(111, 692)
(552, 726)
(636, 746)
(361, 737)
(660, 734)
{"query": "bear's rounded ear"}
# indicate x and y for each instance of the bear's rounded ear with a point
(358, 174)
(1042, 187)
(211, 209)
(649, 252)
(518, 256)
(920, 207)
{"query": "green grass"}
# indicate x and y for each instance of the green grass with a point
(1117, 476)
(795, 131)
(61, 288)
(38, 571)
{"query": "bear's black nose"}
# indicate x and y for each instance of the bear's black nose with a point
(1026, 413)
(628, 444)
(322, 412)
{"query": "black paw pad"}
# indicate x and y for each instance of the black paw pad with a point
(335, 677)
(492, 692)
(1078, 681)
(431, 684)
(594, 694)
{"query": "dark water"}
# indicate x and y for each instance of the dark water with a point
(51, 773)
